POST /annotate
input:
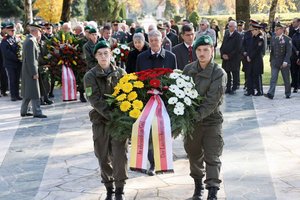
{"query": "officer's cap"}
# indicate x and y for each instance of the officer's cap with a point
(203, 40)
(36, 26)
(100, 45)
(10, 25)
(139, 30)
(240, 23)
(3, 24)
(279, 25)
(92, 30)
(256, 26)
(47, 24)
(115, 22)
(161, 27)
(252, 22)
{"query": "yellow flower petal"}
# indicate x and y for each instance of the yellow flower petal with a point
(132, 96)
(127, 87)
(135, 113)
(137, 104)
(138, 84)
(125, 106)
(121, 97)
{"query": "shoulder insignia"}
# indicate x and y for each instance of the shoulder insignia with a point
(88, 91)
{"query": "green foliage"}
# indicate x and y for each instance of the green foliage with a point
(170, 9)
(103, 10)
(122, 13)
(77, 8)
(194, 18)
(11, 8)
(177, 18)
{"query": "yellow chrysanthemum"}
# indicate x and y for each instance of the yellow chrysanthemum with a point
(137, 104)
(116, 92)
(138, 84)
(127, 87)
(132, 96)
(135, 113)
(121, 97)
(132, 76)
(124, 79)
(125, 106)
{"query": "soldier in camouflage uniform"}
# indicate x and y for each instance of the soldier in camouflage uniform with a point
(111, 153)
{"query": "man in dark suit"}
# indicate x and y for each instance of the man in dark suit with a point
(230, 54)
(184, 51)
(3, 76)
(30, 77)
(172, 36)
(281, 51)
(156, 56)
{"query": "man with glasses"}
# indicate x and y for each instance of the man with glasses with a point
(206, 30)
(11, 62)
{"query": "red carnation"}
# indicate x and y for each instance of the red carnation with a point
(155, 83)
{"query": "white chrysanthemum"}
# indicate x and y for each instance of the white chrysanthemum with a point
(180, 82)
(173, 88)
(173, 100)
(117, 51)
(122, 54)
(185, 77)
(178, 111)
(189, 85)
(179, 105)
(194, 94)
(174, 75)
(178, 71)
(180, 93)
(187, 101)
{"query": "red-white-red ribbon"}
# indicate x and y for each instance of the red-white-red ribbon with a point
(69, 88)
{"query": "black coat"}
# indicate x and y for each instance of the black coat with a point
(182, 55)
(165, 59)
(9, 49)
(255, 52)
(173, 37)
(131, 60)
(231, 46)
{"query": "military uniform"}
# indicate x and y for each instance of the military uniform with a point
(207, 142)
(88, 54)
(111, 153)
(12, 64)
(295, 67)
(256, 65)
(281, 51)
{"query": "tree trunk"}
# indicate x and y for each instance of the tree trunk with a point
(272, 11)
(28, 11)
(242, 10)
(66, 11)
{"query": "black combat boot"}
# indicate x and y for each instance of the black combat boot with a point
(212, 193)
(109, 193)
(82, 98)
(120, 193)
(199, 190)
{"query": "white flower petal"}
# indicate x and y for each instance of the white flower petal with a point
(179, 105)
(178, 111)
(174, 75)
(180, 94)
(187, 101)
(173, 88)
(180, 82)
(173, 100)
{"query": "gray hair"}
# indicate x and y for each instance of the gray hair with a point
(205, 21)
(233, 23)
(155, 33)
(138, 37)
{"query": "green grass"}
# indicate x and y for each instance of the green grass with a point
(267, 71)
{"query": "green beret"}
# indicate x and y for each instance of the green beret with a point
(100, 45)
(203, 40)
(92, 30)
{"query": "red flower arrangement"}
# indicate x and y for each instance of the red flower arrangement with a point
(120, 53)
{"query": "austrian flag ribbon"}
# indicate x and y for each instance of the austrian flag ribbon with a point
(69, 88)
(154, 116)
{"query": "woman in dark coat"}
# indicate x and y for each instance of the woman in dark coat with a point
(139, 46)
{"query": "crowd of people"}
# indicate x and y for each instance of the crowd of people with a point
(163, 45)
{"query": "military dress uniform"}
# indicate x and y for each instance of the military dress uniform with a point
(256, 66)
(295, 66)
(12, 64)
(206, 144)
(281, 51)
(111, 153)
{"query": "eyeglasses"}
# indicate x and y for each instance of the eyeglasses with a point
(48, 28)
(202, 24)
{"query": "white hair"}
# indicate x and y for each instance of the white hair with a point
(154, 33)
(232, 22)
(138, 37)
(93, 24)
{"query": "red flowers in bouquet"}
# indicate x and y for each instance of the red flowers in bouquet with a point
(121, 52)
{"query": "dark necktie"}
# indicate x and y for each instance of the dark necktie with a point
(190, 54)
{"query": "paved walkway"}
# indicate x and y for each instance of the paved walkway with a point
(47, 159)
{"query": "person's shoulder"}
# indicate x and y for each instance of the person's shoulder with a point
(169, 54)
(144, 53)
(178, 47)
(218, 70)
(286, 37)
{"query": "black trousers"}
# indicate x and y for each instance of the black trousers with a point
(3, 80)
(295, 70)
(14, 74)
(232, 80)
